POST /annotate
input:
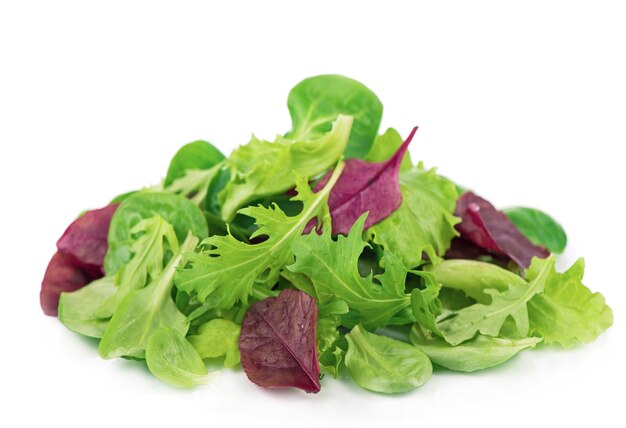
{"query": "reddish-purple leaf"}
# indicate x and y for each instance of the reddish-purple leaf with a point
(277, 342)
(86, 237)
(62, 274)
(362, 187)
(79, 259)
(486, 227)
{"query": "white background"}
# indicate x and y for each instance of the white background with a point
(523, 101)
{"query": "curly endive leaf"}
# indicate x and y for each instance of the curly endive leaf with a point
(424, 222)
(262, 168)
(227, 270)
(567, 312)
(332, 267)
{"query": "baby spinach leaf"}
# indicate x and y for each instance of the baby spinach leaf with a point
(567, 312)
(485, 226)
(77, 309)
(488, 319)
(474, 277)
(332, 267)
(181, 213)
(384, 147)
(227, 270)
(277, 342)
(382, 364)
(217, 338)
(316, 102)
(152, 239)
(476, 354)
(144, 311)
(173, 360)
(371, 187)
(538, 227)
(198, 155)
(424, 222)
(262, 168)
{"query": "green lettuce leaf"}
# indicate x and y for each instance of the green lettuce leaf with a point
(262, 168)
(382, 364)
(567, 312)
(488, 319)
(156, 238)
(173, 360)
(316, 102)
(218, 338)
(329, 351)
(226, 272)
(144, 311)
(332, 267)
(476, 354)
(424, 223)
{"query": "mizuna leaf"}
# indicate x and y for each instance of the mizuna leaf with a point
(332, 267)
(371, 187)
(567, 312)
(485, 226)
(277, 342)
(226, 272)
(263, 168)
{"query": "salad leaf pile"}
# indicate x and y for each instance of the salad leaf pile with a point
(327, 251)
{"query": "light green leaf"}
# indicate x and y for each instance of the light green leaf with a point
(476, 354)
(77, 309)
(181, 213)
(194, 184)
(152, 238)
(227, 270)
(473, 277)
(488, 319)
(218, 338)
(567, 312)
(385, 146)
(144, 311)
(316, 102)
(538, 227)
(262, 168)
(332, 267)
(330, 354)
(425, 303)
(424, 222)
(172, 359)
(382, 364)
(198, 155)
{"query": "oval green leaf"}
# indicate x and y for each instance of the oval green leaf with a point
(538, 227)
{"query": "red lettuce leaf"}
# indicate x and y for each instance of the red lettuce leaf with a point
(277, 342)
(487, 228)
(62, 275)
(79, 259)
(362, 187)
(86, 237)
